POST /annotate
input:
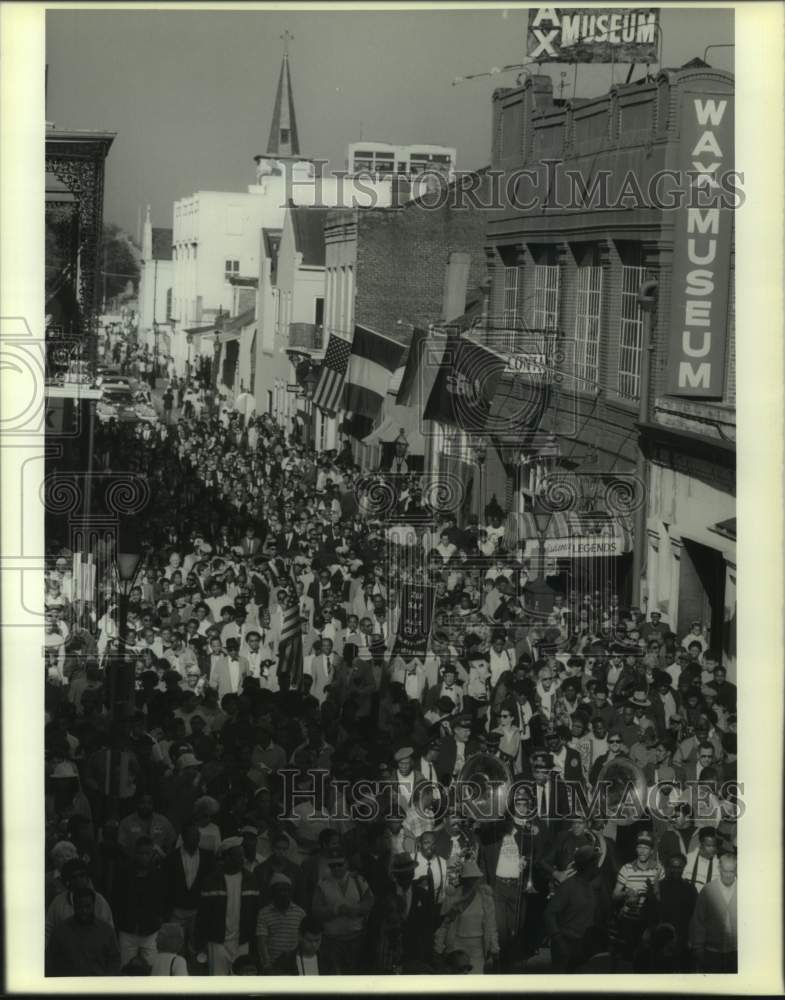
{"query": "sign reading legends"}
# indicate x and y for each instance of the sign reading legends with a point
(593, 34)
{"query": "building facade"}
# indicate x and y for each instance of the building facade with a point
(156, 288)
(586, 226)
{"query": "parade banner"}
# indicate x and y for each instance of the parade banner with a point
(593, 34)
(701, 249)
(414, 625)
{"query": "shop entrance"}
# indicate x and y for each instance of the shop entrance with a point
(701, 590)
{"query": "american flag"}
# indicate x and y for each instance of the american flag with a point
(328, 392)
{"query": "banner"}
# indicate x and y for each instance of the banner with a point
(414, 625)
(593, 34)
(701, 248)
(465, 386)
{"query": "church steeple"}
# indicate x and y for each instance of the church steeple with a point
(283, 140)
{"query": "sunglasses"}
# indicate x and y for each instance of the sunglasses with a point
(614, 742)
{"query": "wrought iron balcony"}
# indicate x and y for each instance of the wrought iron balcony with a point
(305, 337)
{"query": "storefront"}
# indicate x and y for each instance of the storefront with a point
(691, 557)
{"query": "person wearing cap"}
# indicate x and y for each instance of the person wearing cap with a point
(634, 884)
(343, 902)
(405, 776)
(456, 748)
(469, 920)
(145, 822)
(278, 923)
(74, 876)
(396, 929)
(227, 911)
(571, 914)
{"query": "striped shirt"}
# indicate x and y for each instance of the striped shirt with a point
(633, 877)
(279, 928)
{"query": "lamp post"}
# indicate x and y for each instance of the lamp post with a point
(127, 565)
(540, 594)
(479, 446)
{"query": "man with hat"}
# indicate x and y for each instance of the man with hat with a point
(635, 883)
(75, 876)
(566, 760)
(405, 776)
(571, 914)
(228, 908)
(396, 931)
(456, 748)
(278, 923)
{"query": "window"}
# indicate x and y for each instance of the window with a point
(284, 135)
(270, 401)
(510, 314)
(318, 311)
(587, 325)
(546, 297)
(168, 303)
(631, 332)
(231, 267)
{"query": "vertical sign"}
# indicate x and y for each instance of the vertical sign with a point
(702, 247)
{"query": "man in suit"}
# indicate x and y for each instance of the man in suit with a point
(185, 870)
(288, 542)
(227, 670)
(319, 590)
(693, 770)
(251, 544)
(456, 748)
(307, 606)
(446, 688)
(308, 958)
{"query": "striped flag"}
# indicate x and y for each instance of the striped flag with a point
(290, 646)
(373, 362)
(327, 395)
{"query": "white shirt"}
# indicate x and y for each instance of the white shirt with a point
(438, 870)
(234, 673)
(509, 857)
(190, 866)
(233, 899)
(700, 867)
(307, 966)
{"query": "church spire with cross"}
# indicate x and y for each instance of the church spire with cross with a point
(283, 140)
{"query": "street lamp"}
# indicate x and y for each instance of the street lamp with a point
(538, 591)
(479, 446)
(310, 380)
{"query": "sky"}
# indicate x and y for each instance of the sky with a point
(190, 93)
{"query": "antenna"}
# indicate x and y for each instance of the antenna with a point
(494, 71)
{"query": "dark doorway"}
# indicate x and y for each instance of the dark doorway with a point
(701, 589)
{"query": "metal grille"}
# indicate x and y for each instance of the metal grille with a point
(546, 296)
(587, 323)
(631, 332)
(510, 314)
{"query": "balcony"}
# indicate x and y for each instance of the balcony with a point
(305, 337)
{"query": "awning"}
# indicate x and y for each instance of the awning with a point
(571, 535)
(399, 417)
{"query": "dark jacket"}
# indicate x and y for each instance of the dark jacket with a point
(177, 894)
(288, 964)
(139, 902)
(445, 762)
(211, 914)
(83, 950)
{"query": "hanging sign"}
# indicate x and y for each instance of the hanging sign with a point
(593, 34)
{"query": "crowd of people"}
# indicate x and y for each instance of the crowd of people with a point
(259, 802)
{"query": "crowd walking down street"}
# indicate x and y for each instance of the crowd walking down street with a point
(278, 794)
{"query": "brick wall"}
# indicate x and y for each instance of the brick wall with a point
(402, 258)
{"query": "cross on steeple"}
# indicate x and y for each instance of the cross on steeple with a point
(283, 139)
